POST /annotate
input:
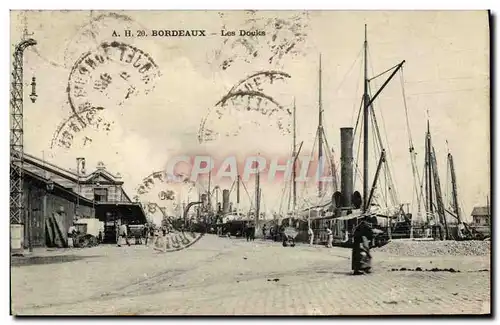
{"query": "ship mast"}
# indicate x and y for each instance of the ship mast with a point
(320, 135)
(456, 207)
(366, 111)
(367, 104)
(238, 196)
(429, 171)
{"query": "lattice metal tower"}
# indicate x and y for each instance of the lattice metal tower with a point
(16, 134)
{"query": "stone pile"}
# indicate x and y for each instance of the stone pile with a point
(436, 248)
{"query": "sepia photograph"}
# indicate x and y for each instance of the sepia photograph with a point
(250, 162)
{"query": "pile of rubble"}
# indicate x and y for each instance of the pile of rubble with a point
(436, 248)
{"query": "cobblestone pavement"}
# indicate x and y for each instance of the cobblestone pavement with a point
(220, 276)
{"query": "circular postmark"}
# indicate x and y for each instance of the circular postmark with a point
(72, 128)
(262, 39)
(110, 75)
(247, 105)
(160, 194)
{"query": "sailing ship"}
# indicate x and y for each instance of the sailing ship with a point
(341, 210)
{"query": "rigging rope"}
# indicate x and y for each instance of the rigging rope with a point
(281, 200)
(392, 186)
(413, 154)
(356, 95)
(377, 149)
(331, 162)
(248, 194)
(232, 186)
(358, 149)
(380, 74)
(359, 117)
(394, 192)
(305, 187)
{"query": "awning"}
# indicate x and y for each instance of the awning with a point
(131, 211)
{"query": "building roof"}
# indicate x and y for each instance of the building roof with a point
(57, 186)
(481, 211)
(69, 180)
(43, 167)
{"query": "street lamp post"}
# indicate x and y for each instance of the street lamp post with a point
(17, 190)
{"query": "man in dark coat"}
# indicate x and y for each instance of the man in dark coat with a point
(361, 256)
(145, 233)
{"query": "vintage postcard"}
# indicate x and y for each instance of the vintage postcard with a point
(250, 162)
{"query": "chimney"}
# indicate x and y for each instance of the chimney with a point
(225, 201)
(346, 166)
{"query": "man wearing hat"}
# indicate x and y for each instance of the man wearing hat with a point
(361, 256)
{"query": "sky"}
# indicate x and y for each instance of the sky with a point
(445, 78)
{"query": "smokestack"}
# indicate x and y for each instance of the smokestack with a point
(346, 166)
(225, 201)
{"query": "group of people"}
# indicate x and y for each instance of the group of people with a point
(329, 236)
(249, 231)
(363, 235)
(153, 234)
(150, 234)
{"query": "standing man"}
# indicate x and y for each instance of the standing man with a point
(246, 230)
(329, 234)
(310, 234)
(123, 233)
(361, 256)
(264, 232)
(145, 233)
(72, 235)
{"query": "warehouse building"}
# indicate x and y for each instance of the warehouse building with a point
(55, 196)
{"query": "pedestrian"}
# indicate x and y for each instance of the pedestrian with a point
(155, 237)
(264, 232)
(252, 232)
(282, 232)
(152, 233)
(145, 234)
(310, 234)
(329, 236)
(361, 256)
(72, 235)
(246, 231)
(123, 234)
